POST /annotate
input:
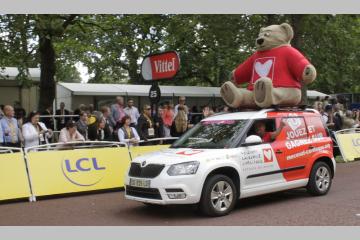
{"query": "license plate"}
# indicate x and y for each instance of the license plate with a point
(143, 183)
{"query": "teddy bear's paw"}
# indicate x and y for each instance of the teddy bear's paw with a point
(260, 91)
(228, 93)
(263, 92)
(309, 74)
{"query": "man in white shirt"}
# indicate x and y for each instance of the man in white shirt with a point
(132, 112)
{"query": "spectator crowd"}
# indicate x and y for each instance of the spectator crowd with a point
(117, 122)
(127, 124)
(335, 115)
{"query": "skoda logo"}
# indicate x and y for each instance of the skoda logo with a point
(143, 164)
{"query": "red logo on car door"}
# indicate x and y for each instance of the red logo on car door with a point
(267, 155)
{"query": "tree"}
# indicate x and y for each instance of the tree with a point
(48, 28)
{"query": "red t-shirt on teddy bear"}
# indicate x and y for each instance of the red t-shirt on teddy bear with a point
(284, 65)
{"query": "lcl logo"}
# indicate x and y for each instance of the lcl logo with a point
(83, 171)
(356, 142)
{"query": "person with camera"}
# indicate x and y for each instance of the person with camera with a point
(35, 133)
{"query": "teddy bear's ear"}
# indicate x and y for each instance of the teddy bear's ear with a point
(288, 29)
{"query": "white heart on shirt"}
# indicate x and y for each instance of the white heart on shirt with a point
(263, 69)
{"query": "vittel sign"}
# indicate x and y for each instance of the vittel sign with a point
(160, 66)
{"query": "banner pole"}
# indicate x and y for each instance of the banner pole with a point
(32, 197)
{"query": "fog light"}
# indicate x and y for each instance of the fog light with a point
(176, 195)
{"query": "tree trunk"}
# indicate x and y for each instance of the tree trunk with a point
(297, 43)
(133, 66)
(47, 68)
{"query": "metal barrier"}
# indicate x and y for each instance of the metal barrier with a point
(348, 141)
(75, 167)
(60, 168)
(14, 179)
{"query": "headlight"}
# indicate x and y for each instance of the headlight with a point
(186, 168)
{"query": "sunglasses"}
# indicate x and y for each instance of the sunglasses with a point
(148, 109)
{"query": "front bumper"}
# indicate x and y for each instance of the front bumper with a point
(163, 187)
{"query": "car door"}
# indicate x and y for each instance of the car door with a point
(290, 146)
(259, 164)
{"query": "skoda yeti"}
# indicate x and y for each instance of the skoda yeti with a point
(223, 159)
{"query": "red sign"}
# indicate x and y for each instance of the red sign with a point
(190, 152)
(160, 66)
(267, 155)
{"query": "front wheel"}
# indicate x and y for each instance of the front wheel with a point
(320, 179)
(219, 196)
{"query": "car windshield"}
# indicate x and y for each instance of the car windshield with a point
(211, 134)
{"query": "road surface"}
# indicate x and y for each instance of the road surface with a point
(295, 207)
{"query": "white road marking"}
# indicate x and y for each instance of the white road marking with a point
(358, 214)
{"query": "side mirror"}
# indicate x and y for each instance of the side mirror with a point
(252, 140)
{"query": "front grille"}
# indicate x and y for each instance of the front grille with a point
(170, 190)
(149, 171)
(152, 193)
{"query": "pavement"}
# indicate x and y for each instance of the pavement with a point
(341, 206)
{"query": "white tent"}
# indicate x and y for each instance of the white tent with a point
(86, 89)
(75, 93)
(10, 73)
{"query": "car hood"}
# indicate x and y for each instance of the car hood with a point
(171, 156)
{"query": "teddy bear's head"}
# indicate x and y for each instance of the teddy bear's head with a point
(274, 36)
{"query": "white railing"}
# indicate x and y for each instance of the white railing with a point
(74, 145)
(348, 130)
(9, 149)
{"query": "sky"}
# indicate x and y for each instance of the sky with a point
(83, 70)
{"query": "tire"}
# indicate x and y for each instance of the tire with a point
(224, 199)
(320, 179)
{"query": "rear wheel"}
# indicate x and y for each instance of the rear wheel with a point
(320, 179)
(219, 196)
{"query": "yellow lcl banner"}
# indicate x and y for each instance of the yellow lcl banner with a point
(13, 177)
(349, 144)
(69, 171)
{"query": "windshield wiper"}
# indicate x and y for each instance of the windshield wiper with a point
(180, 146)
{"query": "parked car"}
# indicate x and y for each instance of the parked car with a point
(223, 158)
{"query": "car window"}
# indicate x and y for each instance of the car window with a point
(211, 134)
(295, 128)
(269, 126)
(315, 127)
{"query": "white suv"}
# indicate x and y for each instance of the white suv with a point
(221, 159)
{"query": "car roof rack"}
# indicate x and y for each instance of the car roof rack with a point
(297, 108)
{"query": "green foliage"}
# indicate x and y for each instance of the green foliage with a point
(210, 46)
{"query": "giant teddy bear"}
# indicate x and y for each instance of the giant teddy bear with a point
(274, 73)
